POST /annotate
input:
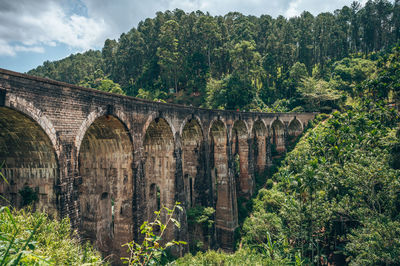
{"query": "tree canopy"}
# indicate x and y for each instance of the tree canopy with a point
(184, 54)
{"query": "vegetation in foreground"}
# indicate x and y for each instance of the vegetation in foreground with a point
(35, 239)
(153, 250)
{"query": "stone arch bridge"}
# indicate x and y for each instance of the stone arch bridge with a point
(108, 161)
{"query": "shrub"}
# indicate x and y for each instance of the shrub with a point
(33, 238)
(243, 256)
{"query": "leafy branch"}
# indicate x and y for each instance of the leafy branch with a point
(151, 250)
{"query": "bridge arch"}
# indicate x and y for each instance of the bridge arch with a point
(278, 136)
(159, 165)
(240, 150)
(105, 196)
(260, 133)
(189, 119)
(240, 125)
(192, 141)
(93, 116)
(219, 166)
(194, 175)
(28, 108)
(219, 123)
(295, 127)
(28, 158)
(156, 116)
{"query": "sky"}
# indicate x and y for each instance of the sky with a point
(32, 32)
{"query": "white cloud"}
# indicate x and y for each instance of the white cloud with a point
(35, 49)
(293, 9)
(26, 26)
(296, 7)
(222, 7)
(122, 15)
(6, 49)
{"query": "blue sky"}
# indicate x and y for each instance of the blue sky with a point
(32, 32)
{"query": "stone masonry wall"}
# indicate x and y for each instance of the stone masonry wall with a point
(99, 158)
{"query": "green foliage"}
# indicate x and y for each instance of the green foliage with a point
(35, 239)
(168, 55)
(335, 198)
(261, 226)
(153, 250)
(351, 72)
(200, 219)
(336, 192)
(279, 106)
(387, 79)
(72, 69)
(98, 81)
(297, 73)
(216, 94)
(319, 94)
(157, 96)
(201, 215)
(376, 242)
(232, 93)
(241, 257)
(395, 152)
(28, 195)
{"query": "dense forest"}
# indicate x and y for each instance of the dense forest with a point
(335, 198)
(237, 61)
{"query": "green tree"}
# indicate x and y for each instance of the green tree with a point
(319, 94)
(352, 72)
(99, 82)
(296, 74)
(169, 57)
(245, 59)
(208, 36)
(130, 57)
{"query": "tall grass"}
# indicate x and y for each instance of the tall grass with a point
(35, 239)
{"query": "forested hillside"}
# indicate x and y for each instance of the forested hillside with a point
(237, 61)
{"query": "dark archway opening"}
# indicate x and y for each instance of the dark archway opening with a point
(278, 138)
(294, 130)
(196, 186)
(226, 205)
(260, 147)
(29, 163)
(106, 193)
(160, 165)
(240, 150)
(193, 168)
